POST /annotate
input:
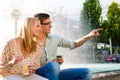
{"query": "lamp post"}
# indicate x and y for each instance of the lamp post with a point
(110, 46)
(16, 15)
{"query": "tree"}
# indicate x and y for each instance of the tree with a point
(105, 33)
(113, 16)
(91, 19)
(92, 13)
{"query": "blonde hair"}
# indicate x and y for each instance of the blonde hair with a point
(29, 40)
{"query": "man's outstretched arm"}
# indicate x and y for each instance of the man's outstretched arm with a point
(93, 33)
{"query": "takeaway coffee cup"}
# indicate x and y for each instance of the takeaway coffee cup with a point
(25, 70)
(60, 59)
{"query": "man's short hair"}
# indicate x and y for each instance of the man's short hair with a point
(42, 16)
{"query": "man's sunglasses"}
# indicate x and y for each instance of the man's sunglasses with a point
(46, 23)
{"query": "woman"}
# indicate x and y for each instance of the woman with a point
(21, 55)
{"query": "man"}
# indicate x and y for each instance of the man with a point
(50, 68)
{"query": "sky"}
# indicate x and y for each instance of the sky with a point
(29, 7)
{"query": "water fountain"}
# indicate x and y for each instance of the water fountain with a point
(16, 14)
(70, 29)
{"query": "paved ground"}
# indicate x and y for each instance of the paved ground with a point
(112, 77)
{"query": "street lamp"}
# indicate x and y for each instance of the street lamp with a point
(110, 41)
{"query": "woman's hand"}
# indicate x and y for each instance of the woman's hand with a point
(15, 60)
(31, 69)
(5, 68)
(28, 69)
(10, 63)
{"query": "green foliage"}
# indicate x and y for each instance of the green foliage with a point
(104, 38)
(92, 13)
(91, 16)
(113, 16)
